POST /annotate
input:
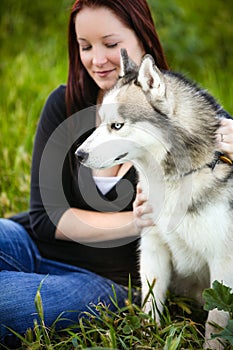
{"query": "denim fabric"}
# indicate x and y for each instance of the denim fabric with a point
(64, 288)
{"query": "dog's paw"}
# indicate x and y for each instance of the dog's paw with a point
(214, 344)
(150, 309)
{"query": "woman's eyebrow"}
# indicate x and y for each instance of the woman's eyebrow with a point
(81, 39)
(113, 35)
(103, 37)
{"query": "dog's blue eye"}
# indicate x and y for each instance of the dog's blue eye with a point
(116, 126)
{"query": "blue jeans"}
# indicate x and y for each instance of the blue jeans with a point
(65, 288)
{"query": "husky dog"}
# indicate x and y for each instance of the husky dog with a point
(166, 125)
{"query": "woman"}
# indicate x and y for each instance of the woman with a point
(80, 236)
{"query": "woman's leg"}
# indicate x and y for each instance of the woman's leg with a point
(64, 287)
(18, 260)
(18, 252)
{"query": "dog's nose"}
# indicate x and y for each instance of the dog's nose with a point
(81, 155)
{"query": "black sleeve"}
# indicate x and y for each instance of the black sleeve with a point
(47, 199)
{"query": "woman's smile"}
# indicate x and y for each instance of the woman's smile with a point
(104, 73)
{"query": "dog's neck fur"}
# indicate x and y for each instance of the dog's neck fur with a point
(218, 158)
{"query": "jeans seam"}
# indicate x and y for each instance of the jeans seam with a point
(8, 259)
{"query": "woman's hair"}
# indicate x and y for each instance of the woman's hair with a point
(81, 89)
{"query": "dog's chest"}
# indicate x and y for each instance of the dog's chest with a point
(193, 239)
(186, 247)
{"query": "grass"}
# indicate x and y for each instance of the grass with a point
(33, 43)
(130, 328)
(127, 328)
(33, 63)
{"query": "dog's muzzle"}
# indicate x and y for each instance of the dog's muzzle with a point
(81, 155)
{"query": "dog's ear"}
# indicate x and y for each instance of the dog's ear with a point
(150, 77)
(127, 65)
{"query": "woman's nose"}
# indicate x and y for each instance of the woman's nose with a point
(99, 57)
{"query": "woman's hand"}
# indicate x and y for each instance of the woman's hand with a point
(142, 210)
(225, 137)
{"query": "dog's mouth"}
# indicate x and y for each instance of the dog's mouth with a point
(121, 156)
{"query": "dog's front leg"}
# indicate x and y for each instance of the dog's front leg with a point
(220, 270)
(221, 319)
(155, 269)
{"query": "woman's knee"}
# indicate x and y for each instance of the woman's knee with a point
(17, 250)
(10, 229)
(11, 234)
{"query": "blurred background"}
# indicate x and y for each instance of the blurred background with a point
(197, 37)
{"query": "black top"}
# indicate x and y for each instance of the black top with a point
(59, 182)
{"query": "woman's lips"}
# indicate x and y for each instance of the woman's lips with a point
(105, 73)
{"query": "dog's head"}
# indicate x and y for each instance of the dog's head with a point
(125, 132)
(149, 112)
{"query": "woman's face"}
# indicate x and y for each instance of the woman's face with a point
(101, 35)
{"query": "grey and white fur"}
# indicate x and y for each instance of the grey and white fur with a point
(166, 126)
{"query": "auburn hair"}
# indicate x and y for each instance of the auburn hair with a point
(82, 91)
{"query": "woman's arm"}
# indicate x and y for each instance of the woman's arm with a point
(84, 226)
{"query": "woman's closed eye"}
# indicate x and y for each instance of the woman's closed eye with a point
(112, 45)
(86, 48)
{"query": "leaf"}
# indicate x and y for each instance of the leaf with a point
(219, 296)
(127, 329)
(173, 341)
(133, 322)
(38, 301)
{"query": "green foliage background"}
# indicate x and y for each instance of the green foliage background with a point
(197, 37)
